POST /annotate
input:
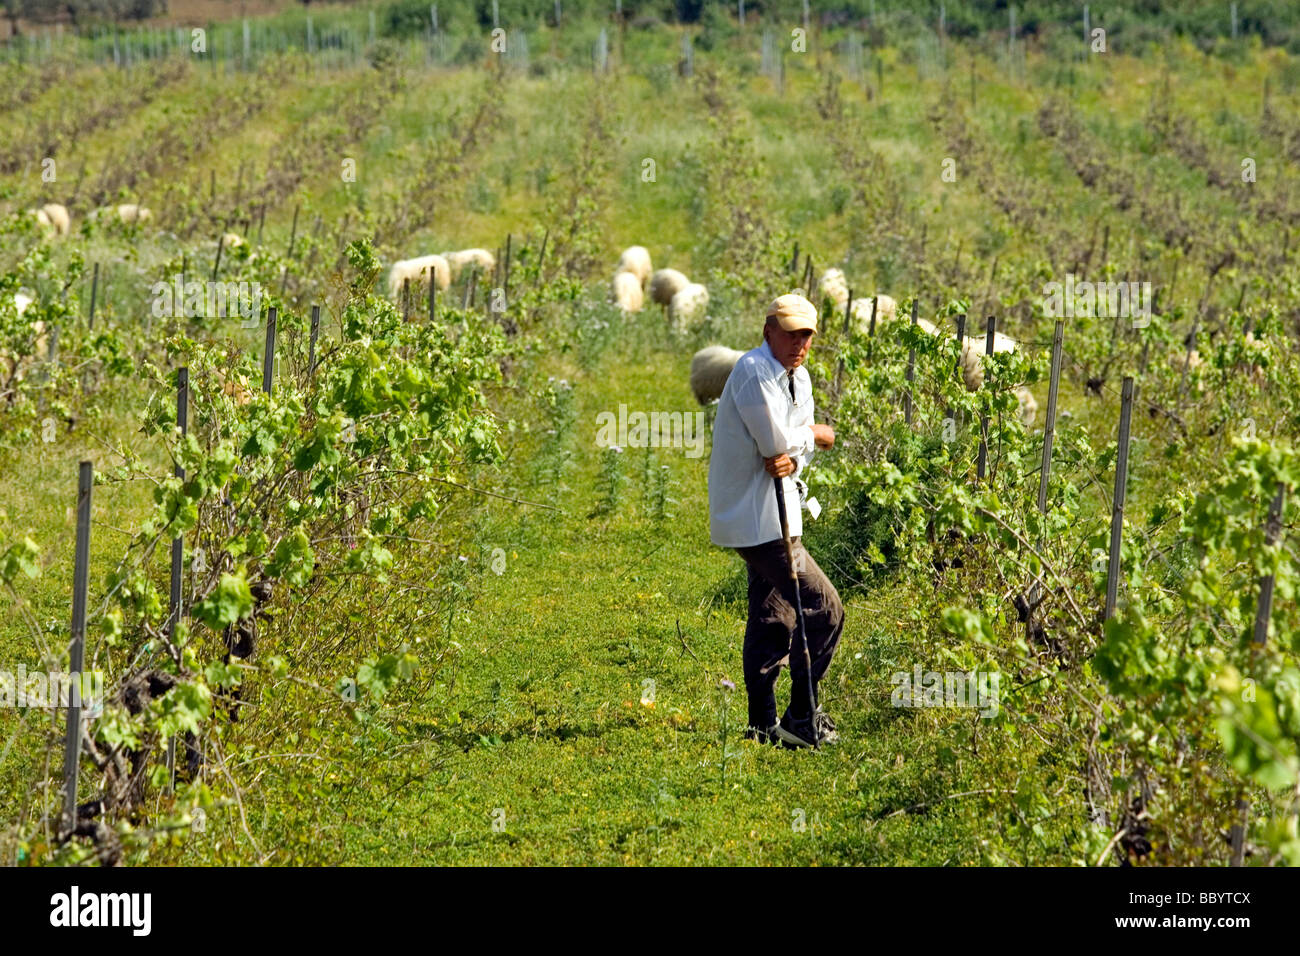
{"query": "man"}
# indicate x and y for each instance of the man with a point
(764, 429)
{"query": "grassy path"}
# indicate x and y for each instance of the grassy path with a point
(557, 759)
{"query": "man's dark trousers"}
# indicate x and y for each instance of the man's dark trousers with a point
(770, 633)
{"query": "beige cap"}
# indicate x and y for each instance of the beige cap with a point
(793, 312)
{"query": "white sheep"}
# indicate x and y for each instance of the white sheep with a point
(417, 272)
(627, 292)
(636, 260)
(832, 285)
(133, 212)
(972, 350)
(230, 240)
(972, 368)
(710, 368)
(1028, 406)
(57, 216)
(665, 284)
(972, 371)
(458, 261)
(688, 304)
(886, 311)
(53, 217)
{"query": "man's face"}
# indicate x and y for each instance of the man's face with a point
(790, 348)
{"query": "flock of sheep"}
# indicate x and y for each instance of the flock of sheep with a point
(711, 366)
(444, 267)
(683, 299)
(54, 218)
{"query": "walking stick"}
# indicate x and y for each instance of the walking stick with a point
(779, 484)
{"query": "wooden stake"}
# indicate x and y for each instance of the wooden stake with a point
(506, 281)
(1272, 531)
(77, 649)
(1187, 361)
(911, 373)
(981, 465)
(293, 233)
(311, 348)
(839, 367)
(178, 551)
(94, 290)
(1117, 503)
(541, 257)
(1049, 426)
(268, 353)
(216, 264)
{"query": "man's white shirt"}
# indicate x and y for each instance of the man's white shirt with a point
(756, 419)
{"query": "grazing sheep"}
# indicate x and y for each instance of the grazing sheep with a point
(1028, 406)
(627, 292)
(458, 261)
(972, 368)
(636, 260)
(971, 351)
(57, 216)
(665, 284)
(54, 218)
(417, 271)
(972, 371)
(886, 311)
(832, 285)
(710, 367)
(688, 304)
(132, 212)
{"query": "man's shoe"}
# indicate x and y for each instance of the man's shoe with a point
(821, 723)
(796, 732)
(826, 732)
(768, 736)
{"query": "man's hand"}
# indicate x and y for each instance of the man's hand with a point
(779, 466)
(823, 436)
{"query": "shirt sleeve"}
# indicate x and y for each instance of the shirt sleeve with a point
(758, 401)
